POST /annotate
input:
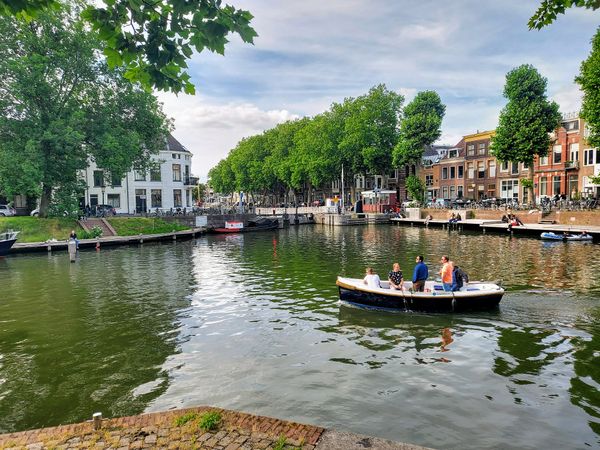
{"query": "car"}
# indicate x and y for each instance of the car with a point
(35, 212)
(6, 211)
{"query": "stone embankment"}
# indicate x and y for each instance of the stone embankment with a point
(182, 429)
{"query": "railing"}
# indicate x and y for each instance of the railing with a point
(572, 165)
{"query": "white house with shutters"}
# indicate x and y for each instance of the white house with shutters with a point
(167, 188)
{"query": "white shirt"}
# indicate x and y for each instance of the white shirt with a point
(373, 281)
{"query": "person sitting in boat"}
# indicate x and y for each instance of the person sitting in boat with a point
(420, 274)
(395, 278)
(446, 273)
(584, 234)
(372, 279)
(459, 278)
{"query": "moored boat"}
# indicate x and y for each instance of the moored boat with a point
(7, 239)
(259, 224)
(549, 235)
(473, 296)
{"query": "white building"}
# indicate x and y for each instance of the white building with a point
(169, 187)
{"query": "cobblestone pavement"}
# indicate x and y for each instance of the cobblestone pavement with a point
(177, 429)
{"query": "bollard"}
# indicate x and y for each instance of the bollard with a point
(97, 418)
(72, 247)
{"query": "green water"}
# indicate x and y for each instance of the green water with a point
(252, 322)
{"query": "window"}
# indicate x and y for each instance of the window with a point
(98, 178)
(114, 200)
(177, 198)
(470, 170)
(459, 192)
(492, 169)
(481, 149)
(452, 173)
(543, 186)
(573, 181)
(444, 173)
(504, 166)
(491, 187)
(514, 168)
(445, 192)
(480, 169)
(452, 191)
(155, 174)
(574, 152)
(176, 156)
(140, 175)
(556, 185)
(428, 180)
(392, 175)
(115, 180)
(588, 156)
(93, 200)
(461, 170)
(471, 150)
(543, 161)
(571, 126)
(510, 189)
(176, 172)
(156, 198)
(453, 153)
(557, 150)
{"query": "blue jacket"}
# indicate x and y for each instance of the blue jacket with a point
(421, 272)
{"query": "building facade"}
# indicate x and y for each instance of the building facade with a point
(168, 187)
(480, 167)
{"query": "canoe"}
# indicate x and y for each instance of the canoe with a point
(562, 237)
(7, 240)
(474, 296)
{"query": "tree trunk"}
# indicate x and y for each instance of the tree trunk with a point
(45, 200)
(531, 186)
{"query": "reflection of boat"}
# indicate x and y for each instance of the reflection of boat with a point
(258, 224)
(7, 239)
(565, 237)
(475, 296)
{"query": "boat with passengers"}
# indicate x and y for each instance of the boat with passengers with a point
(7, 239)
(551, 236)
(475, 295)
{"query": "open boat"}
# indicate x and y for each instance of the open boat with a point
(258, 224)
(7, 239)
(565, 237)
(473, 296)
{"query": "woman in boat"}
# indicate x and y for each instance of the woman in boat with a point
(372, 279)
(395, 278)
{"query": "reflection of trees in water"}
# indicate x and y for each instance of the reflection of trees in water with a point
(524, 352)
(78, 338)
(585, 385)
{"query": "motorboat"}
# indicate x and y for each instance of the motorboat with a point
(258, 224)
(477, 295)
(549, 235)
(7, 239)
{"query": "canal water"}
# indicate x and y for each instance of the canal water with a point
(252, 322)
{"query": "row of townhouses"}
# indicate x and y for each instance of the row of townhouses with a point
(166, 188)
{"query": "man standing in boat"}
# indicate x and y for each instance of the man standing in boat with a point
(420, 275)
(446, 273)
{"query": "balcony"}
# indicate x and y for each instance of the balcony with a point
(190, 181)
(570, 165)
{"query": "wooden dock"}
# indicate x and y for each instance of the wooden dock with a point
(29, 247)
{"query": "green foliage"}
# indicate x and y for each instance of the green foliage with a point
(94, 233)
(61, 106)
(589, 80)
(210, 421)
(550, 9)
(594, 179)
(415, 187)
(151, 41)
(131, 226)
(526, 183)
(420, 126)
(35, 229)
(526, 120)
(188, 417)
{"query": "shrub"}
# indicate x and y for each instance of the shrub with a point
(210, 421)
(92, 234)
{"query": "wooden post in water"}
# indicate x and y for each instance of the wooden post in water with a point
(72, 247)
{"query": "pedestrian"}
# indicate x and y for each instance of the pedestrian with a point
(446, 273)
(420, 274)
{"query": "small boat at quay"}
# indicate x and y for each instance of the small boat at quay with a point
(475, 296)
(7, 239)
(565, 237)
(259, 224)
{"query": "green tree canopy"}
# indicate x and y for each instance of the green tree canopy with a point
(589, 80)
(420, 126)
(152, 40)
(550, 9)
(61, 107)
(527, 120)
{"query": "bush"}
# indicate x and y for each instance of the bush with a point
(94, 233)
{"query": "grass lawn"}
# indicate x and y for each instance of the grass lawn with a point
(35, 229)
(130, 226)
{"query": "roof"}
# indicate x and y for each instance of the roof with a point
(434, 150)
(480, 135)
(173, 145)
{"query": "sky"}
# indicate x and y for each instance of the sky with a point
(311, 53)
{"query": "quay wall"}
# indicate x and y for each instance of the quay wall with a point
(580, 218)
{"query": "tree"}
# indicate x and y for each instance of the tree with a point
(152, 40)
(61, 107)
(526, 121)
(420, 126)
(415, 187)
(589, 80)
(550, 9)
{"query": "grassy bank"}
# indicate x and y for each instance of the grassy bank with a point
(34, 229)
(131, 226)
